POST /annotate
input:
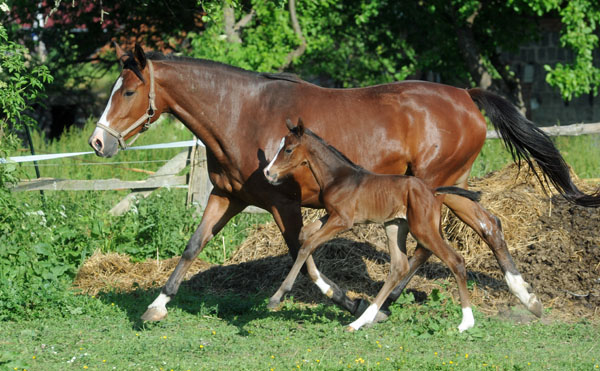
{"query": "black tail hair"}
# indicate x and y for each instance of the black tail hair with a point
(471, 195)
(526, 142)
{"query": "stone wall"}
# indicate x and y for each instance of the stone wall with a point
(545, 105)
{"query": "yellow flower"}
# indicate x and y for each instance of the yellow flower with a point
(272, 357)
(33, 357)
(164, 337)
(467, 355)
(435, 353)
(317, 361)
(214, 332)
(85, 367)
(451, 362)
(308, 350)
(201, 346)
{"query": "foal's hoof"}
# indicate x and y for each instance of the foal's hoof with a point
(379, 317)
(535, 306)
(350, 329)
(154, 314)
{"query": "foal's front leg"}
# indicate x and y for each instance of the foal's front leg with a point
(333, 225)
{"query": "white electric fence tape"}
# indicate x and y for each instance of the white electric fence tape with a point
(186, 143)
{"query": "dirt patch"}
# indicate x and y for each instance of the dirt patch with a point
(555, 245)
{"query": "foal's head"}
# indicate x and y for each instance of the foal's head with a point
(291, 154)
(129, 107)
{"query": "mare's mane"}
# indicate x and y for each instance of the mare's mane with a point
(334, 150)
(158, 56)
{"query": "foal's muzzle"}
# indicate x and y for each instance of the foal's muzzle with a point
(271, 178)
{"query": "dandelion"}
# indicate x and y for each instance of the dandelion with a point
(467, 355)
(85, 367)
(308, 350)
(214, 332)
(33, 357)
(528, 363)
(103, 361)
(451, 362)
(435, 353)
(272, 357)
(318, 361)
(164, 337)
(201, 346)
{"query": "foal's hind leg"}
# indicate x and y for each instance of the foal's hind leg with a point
(219, 210)
(488, 227)
(396, 233)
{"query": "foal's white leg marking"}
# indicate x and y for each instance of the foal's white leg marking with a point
(325, 288)
(160, 303)
(467, 321)
(367, 317)
(277, 154)
(518, 286)
(117, 86)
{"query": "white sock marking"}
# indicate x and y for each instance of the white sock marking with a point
(117, 86)
(277, 154)
(367, 317)
(468, 320)
(160, 302)
(518, 286)
(322, 284)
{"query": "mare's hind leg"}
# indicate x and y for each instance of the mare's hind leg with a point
(289, 220)
(488, 227)
(396, 233)
(219, 210)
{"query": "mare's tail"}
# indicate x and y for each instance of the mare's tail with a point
(527, 142)
(471, 195)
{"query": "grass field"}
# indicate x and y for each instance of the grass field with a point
(45, 326)
(205, 332)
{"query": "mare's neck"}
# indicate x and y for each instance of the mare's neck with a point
(207, 98)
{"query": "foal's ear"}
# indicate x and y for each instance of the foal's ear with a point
(120, 53)
(140, 56)
(300, 127)
(289, 124)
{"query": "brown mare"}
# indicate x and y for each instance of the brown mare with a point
(352, 195)
(428, 130)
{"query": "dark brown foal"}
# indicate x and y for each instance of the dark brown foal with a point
(353, 195)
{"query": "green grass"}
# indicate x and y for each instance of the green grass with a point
(239, 333)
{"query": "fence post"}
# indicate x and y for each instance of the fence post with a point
(199, 185)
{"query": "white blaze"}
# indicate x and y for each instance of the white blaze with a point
(103, 120)
(277, 154)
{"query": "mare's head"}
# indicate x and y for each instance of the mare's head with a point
(291, 154)
(131, 106)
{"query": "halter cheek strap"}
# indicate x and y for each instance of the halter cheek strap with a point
(145, 119)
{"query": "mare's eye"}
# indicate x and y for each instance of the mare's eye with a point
(129, 93)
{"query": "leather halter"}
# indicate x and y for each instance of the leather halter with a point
(145, 119)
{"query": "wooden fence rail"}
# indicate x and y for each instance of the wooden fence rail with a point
(197, 180)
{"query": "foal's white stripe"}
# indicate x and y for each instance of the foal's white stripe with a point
(160, 302)
(367, 317)
(322, 284)
(103, 120)
(468, 320)
(518, 286)
(277, 154)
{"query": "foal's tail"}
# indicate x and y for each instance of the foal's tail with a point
(527, 142)
(471, 195)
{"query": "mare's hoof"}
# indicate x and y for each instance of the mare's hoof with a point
(535, 306)
(273, 304)
(154, 314)
(381, 316)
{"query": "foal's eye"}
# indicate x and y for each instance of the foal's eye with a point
(129, 93)
(288, 150)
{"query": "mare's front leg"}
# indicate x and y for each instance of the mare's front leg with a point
(333, 225)
(288, 217)
(219, 210)
(488, 227)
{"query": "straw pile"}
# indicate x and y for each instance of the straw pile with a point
(555, 245)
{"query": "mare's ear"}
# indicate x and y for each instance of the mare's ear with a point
(120, 53)
(140, 56)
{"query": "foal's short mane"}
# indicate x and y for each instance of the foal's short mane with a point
(335, 151)
(158, 56)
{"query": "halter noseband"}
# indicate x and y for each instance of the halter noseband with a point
(145, 119)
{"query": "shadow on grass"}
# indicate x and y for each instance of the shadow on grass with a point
(239, 293)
